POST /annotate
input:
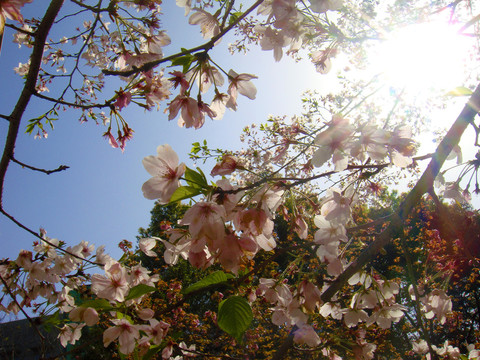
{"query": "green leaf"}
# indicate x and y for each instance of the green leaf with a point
(184, 192)
(234, 16)
(139, 290)
(97, 304)
(195, 179)
(152, 352)
(460, 91)
(234, 316)
(217, 277)
(184, 61)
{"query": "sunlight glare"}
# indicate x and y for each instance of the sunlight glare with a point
(428, 56)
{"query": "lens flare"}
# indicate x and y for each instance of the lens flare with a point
(428, 56)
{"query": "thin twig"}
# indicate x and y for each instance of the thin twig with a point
(37, 235)
(48, 172)
(74, 105)
(30, 320)
(205, 47)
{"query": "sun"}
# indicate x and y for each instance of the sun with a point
(421, 57)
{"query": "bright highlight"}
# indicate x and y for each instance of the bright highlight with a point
(423, 57)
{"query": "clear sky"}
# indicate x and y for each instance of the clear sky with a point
(99, 198)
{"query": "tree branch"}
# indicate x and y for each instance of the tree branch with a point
(28, 89)
(74, 105)
(205, 47)
(48, 172)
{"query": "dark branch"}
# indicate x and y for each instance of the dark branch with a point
(74, 105)
(48, 172)
(28, 89)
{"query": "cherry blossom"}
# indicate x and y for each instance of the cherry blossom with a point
(401, 146)
(306, 335)
(336, 207)
(11, 9)
(146, 245)
(240, 83)
(225, 167)
(114, 285)
(208, 23)
(125, 332)
(156, 331)
(166, 173)
(321, 6)
(70, 333)
(85, 314)
(438, 304)
(273, 40)
(333, 142)
(420, 346)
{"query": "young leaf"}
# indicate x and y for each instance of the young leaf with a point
(139, 290)
(234, 316)
(217, 277)
(195, 179)
(184, 192)
(152, 352)
(97, 304)
(460, 91)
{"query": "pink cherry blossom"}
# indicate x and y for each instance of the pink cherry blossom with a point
(371, 143)
(228, 165)
(301, 227)
(329, 231)
(219, 105)
(386, 315)
(306, 335)
(206, 75)
(333, 142)
(273, 40)
(420, 347)
(352, 317)
(401, 146)
(156, 42)
(145, 314)
(11, 9)
(123, 99)
(166, 173)
(438, 304)
(205, 217)
(321, 60)
(208, 23)
(114, 285)
(156, 331)
(70, 333)
(240, 83)
(187, 4)
(146, 245)
(86, 314)
(311, 294)
(179, 78)
(336, 208)
(126, 334)
(321, 6)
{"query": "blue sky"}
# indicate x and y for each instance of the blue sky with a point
(99, 198)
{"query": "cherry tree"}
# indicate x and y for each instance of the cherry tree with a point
(310, 171)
